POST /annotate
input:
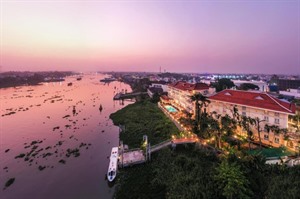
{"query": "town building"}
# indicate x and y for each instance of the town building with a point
(268, 109)
(181, 92)
(295, 93)
(284, 84)
(263, 86)
(158, 87)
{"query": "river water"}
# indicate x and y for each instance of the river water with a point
(64, 136)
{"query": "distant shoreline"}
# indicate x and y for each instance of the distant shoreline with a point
(15, 79)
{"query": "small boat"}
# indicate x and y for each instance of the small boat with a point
(70, 84)
(79, 78)
(113, 164)
(100, 108)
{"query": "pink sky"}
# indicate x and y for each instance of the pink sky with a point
(194, 36)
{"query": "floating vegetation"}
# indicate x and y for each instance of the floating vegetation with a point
(9, 182)
(7, 150)
(10, 113)
(62, 161)
(55, 128)
(74, 152)
(22, 155)
(48, 147)
(41, 167)
(66, 116)
(46, 154)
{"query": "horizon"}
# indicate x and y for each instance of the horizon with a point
(225, 37)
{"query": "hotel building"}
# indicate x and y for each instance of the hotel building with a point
(267, 108)
(180, 93)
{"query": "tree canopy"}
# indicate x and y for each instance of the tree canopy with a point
(223, 83)
(248, 86)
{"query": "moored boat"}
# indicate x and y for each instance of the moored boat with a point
(113, 164)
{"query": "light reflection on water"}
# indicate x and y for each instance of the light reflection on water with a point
(39, 109)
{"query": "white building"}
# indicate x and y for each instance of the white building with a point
(291, 92)
(180, 93)
(268, 109)
(263, 86)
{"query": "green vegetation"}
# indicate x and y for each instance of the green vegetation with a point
(143, 118)
(192, 172)
(222, 84)
(248, 86)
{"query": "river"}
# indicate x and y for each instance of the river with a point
(64, 136)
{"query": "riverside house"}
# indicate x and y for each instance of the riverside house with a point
(267, 108)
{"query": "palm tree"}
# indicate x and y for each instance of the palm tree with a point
(196, 98)
(200, 102)
(246, 123)
(214, 128)
(257, 122)
(235, 113)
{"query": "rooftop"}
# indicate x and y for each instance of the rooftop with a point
(254, 99)
(185, 86)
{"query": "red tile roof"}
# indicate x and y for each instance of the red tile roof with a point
(189, 87)
(164, 97)
(254, 99)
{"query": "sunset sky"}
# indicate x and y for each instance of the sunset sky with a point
(237, 36)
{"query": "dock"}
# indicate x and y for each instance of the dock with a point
(137, 156)
(132, 157)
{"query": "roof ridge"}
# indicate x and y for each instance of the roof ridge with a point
(277, 102)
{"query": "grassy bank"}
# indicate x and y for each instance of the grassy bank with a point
(143, 118)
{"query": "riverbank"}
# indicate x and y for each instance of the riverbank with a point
(143, 118)
(190, 172)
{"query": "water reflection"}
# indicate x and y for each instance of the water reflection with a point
(55, 139)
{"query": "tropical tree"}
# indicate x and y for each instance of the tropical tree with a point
(248, 86)
(275, 129)
(232, 181)
(223, 83)
(214, 129)
(246, 123)
(228, 124)
(201, 102)
(257, 123)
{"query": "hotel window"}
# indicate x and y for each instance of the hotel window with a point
(277, 121)
(266, 118)
(243, 108)
(224, 110)
(266, 136)
(276, 114)
(276, 140)
(244, 113)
